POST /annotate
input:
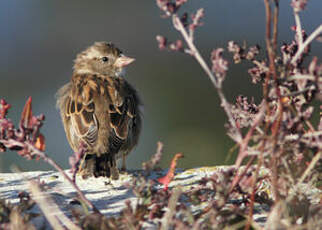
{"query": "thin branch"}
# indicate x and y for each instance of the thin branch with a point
(261, 65)
(312, 36)
(251, 206)
(194, 51)
(244, 144)
(268, 40)
(292, 94)
(217, 84)
(275, 24)
(243, 147)
(295, 137)
(171, 211)
(272, 71)
(303, 77)
(298, 28)
(315, 159)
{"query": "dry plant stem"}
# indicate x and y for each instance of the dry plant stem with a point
(275, 23)
(243, 147)
(238, 177)
(289, 172)
(294, 137)
(271, 51)
(304, 175)
(272, 71)
(53, 214)
(194, 51)
(217, 83)
(252, 199)
(309, 124)
(312, 36)
(298, 92)
(167, 219)
(244, 144)
(268, 36)
(298, 28)
(59, 169)
(303, 77)
(315, 159)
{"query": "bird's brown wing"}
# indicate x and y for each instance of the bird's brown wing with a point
(84, 113)
(122, 112)
(80, 108)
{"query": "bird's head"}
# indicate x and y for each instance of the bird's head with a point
(102, 58)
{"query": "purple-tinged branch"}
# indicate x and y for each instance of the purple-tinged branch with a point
(301, 48)
(216, 82)
(298, 28)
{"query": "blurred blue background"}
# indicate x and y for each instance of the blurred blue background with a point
(39, 40)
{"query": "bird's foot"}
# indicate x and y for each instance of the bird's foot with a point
(87, 167)
(115, 174)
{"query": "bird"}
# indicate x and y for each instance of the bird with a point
(100, 110)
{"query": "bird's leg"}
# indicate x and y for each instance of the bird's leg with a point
(123, 169)
(113, 169)
(87, 166)
(102, 166)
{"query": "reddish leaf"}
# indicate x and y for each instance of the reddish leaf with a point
(26, 115)
(40, 142)
(4, 107)
(170, 175)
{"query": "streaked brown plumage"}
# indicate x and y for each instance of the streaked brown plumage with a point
(100, 108)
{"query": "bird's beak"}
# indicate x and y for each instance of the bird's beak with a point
(123, 61)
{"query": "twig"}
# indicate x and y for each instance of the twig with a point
(194, 51)
(238, 177)
(243, 145)
(312, 36)
(168, 216)
(315, 159)
(260, 65)
(268, 40)
(275, 24)
(252, 197)
(303, 77)
(217, 84)
(272, 71)
(292, 94)
(298, 28)
(294, 137)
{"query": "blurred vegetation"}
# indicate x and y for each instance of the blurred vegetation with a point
(39, 40)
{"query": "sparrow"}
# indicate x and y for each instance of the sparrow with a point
(100, 109)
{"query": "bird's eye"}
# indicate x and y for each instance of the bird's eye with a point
(104, 59)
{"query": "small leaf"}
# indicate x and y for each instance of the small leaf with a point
(4, 107)
(26, 115)
(40, 142)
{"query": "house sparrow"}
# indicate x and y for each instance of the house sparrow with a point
(100, 108)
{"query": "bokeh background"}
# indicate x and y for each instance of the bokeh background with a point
(39, 40)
